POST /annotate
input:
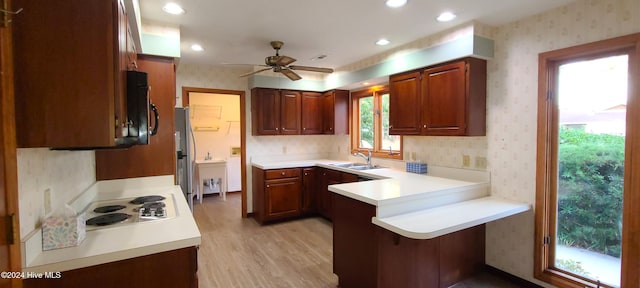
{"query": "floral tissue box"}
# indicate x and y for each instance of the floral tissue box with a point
(63, 231)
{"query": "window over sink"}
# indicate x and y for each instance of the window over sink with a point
(370, 124)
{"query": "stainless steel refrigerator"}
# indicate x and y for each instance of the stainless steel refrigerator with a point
(185, 150)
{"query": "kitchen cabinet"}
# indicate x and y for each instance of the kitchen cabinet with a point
(404, 104)
(309, 190)
(335, 113)
(312, 112)
(157, 157)
(275, 112)
(444, 100)
(276, 194)
(330, 177)
(175, 268)
(65, 99)
(366, 255)
(291, 112)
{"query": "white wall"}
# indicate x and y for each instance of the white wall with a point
(66, 174)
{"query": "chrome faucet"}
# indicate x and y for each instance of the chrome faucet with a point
(365, 157)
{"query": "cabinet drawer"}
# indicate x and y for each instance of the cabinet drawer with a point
(282, 173)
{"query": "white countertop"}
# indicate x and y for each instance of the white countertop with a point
(122, 242)
(435, 222)
(407, 203)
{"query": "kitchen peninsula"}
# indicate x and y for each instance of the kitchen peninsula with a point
(408, 230)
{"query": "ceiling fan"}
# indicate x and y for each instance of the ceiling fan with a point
(281, 63)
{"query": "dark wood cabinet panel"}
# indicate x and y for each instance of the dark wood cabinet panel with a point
(276, 194)
(158, 157)
(309, 190)
(290, 115)
(336, 112)
(265, 111)
(404, 104)
(176, 268)
(312, 113)
(355, 253)
(65, 100)
(348, 177)
(282, 198)
(325, 202)
(444, 100)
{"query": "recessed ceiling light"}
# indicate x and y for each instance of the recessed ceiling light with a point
(365, 83)
(173, 8)
(197, 47)
(382, 42)
(446, 16)
(395, 3)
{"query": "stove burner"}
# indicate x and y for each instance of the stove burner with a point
(153, 205)
(108, 219)
(145, 199)
(109, 208)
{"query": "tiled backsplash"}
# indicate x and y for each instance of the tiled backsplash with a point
(66, 174)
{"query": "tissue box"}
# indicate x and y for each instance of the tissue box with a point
(417, 167)
(63, 231)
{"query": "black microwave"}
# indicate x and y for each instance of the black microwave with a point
(139, 107)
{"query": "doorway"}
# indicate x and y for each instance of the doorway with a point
(218, 119)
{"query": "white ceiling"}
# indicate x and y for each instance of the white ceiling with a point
(239, 31)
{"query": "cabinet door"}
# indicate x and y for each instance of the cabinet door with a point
(336, 112)
(444, 100)
(309, 185)
(312, 112)
(404, 104)
(64, 99)
(158, 157)
(265, 111)
(348, 177)
(282, 198)
(329, 177)
(290, 112)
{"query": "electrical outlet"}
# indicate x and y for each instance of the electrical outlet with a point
(481, 162)
(466, 161)
(284, 149)
(338, 148)
(406, 155)
(47, 201)
(413, 156)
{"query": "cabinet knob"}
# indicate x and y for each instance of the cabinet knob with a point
(303, 128)
(277, 128)
(306, 174)
(330, 128)
(282, 173)
(267, 186)
(424, 126)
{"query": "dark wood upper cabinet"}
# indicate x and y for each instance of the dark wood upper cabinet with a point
(291, 112)
(158, 157)
(312, 112)
(70, 62)
(404, 104)
(336, 112)
(444, 100)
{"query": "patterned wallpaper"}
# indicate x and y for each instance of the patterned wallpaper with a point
(512, 115)
(66, 174)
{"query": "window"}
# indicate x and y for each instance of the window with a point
(370, 124)
(584, 168)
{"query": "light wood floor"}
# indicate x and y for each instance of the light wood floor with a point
(238, 252)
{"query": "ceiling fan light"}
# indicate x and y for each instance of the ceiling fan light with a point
(395, 3)
(446, 17)
(173, 8)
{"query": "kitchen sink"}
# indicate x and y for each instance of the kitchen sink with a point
(356, 166)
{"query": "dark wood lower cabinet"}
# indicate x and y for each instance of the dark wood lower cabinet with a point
(365, 255)
(176, 269)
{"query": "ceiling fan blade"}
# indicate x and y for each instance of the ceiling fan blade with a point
(309, 68)
(254, 72)
(290, 74)
(284, 60)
